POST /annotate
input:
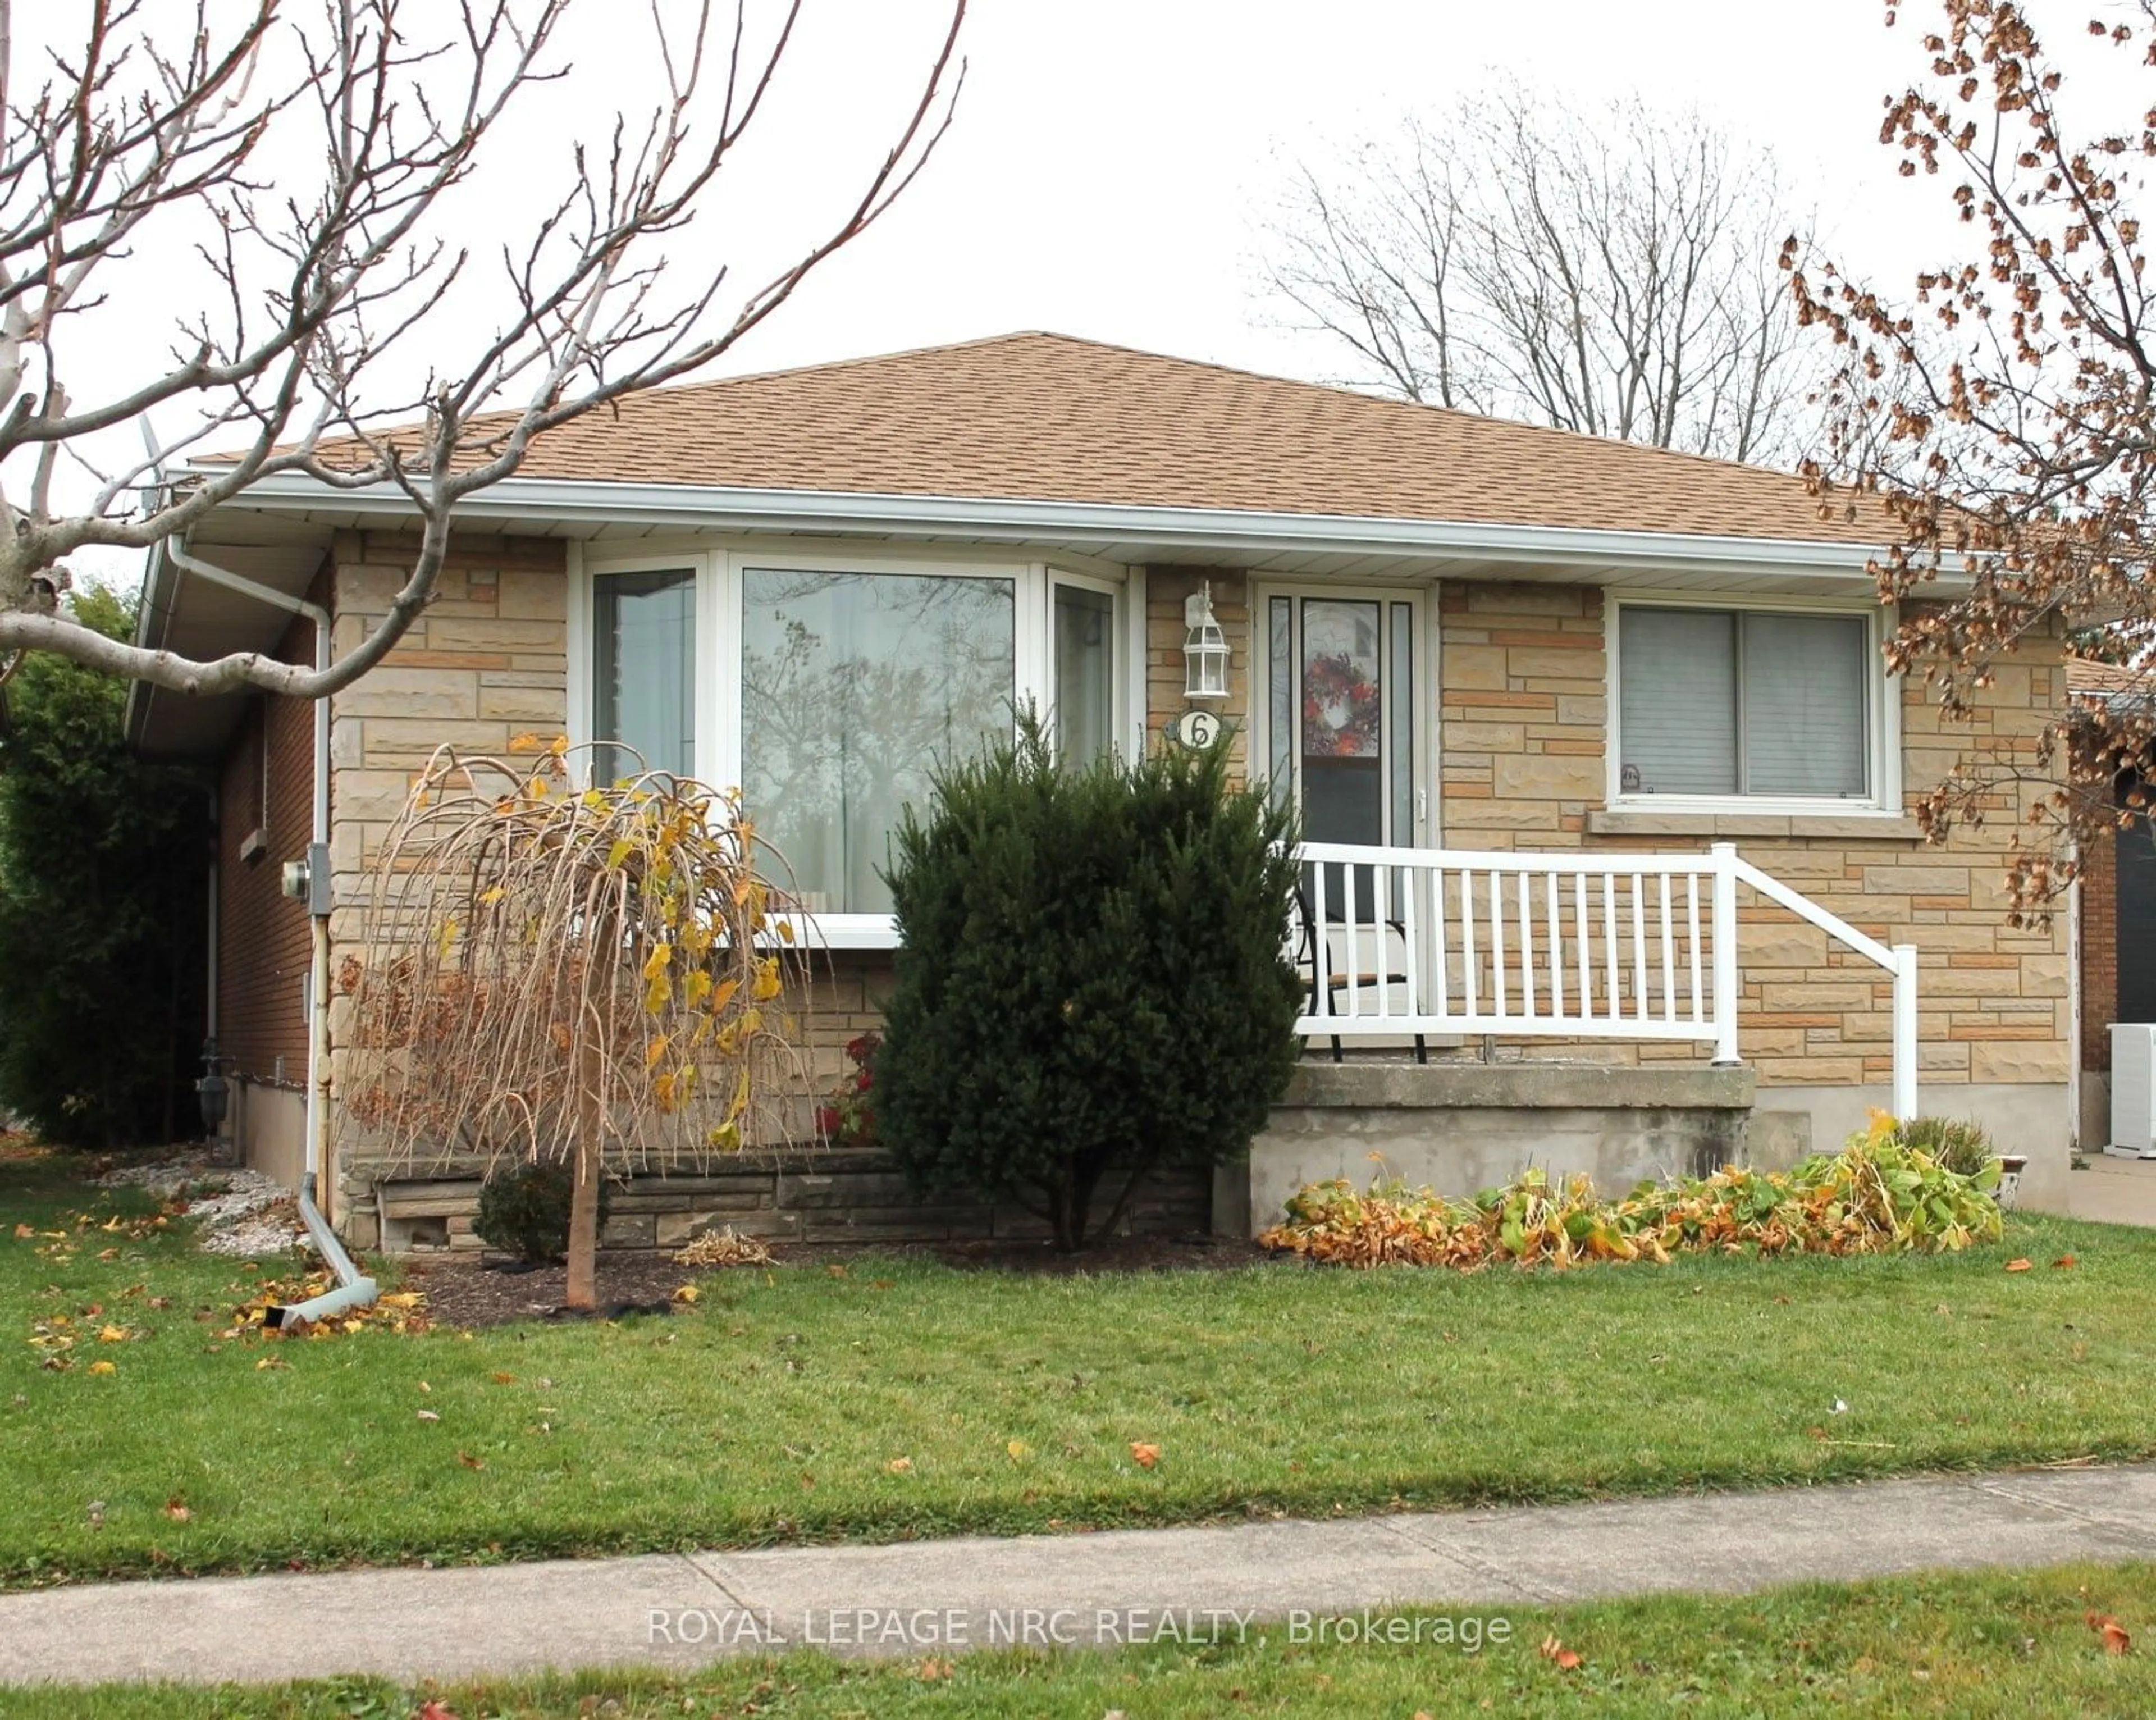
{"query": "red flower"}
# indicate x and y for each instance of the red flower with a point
(827, 1120)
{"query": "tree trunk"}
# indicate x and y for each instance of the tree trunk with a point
(583, 1292)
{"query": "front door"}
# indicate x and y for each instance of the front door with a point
(1342, 736)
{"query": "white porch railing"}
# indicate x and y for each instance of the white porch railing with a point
(1400, 942)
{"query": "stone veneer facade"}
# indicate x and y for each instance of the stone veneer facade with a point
(1522, 725)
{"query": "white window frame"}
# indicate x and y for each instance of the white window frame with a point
(1883, 712)
(1423, 665)
(719, 566)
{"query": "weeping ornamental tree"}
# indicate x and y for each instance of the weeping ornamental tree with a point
(1092, 982)
(583, 977)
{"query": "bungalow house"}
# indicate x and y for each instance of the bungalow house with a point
(1605, 779)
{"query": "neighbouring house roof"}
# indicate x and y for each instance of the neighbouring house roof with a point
(1047, 418)
(2104, 681)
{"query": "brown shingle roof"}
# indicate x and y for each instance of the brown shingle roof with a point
(2085, 676)
(1048, 418)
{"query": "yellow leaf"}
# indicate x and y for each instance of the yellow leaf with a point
(561, 746)
(786, 932)
(652, 1052)
(488, 898)
(112, 1334)
(900, 1466)
(1018, 1449)
(687, 1293)
(621, 850)
(655, 964)
(1144, 1455)
(725, 994)
(103, 1368)
(526, 743)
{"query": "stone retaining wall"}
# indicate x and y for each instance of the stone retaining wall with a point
(818, 1196)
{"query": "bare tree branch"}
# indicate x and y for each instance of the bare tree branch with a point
(1617, 279)
(324, 287)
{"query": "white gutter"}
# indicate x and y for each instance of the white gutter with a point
(354, 1289)
(572, 502)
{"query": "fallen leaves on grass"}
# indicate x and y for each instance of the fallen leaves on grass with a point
(900, 1466)
(403, 1311)
(1566, 1660)
(2116, 1641)
(722, 1248)
(687, 1293)
(470, 1461)
(176, 1509)
(1144, 1455)
(103, 1368)
(2020, 1263)
(2066, 1261)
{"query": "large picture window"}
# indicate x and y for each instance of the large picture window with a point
(1764, 703)
(853, 685)
(829, 693)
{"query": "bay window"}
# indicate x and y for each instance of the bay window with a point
(829, 688)
(1766, 704)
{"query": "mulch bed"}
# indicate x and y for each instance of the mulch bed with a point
(462, 1291)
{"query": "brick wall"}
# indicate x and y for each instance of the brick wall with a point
(1524, 710)
(1165, 590)
(264, 937)
(2099, 950)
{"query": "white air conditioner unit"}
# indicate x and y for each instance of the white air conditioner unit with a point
(2133, 1089)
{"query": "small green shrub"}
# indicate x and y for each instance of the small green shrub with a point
(524, 1210)
(1960, 1145)
(1091, 980)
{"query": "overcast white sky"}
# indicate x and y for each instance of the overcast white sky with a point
(1113, 158)
(1112, 161)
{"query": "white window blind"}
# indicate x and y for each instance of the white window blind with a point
(1677, 715)
(1733, 702)
(1803, 704)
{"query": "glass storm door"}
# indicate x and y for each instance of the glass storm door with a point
(1340, 731)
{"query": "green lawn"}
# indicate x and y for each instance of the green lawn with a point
(1965, 1645)
(780, 1407)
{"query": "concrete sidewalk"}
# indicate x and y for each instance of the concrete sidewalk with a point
(936, 1597)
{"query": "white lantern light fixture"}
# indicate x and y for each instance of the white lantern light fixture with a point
(1204, 648)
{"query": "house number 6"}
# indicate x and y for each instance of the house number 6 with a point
(1195, 729)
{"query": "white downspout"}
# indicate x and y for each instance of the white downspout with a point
(2074, 1008)
(354, 1289)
